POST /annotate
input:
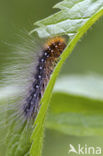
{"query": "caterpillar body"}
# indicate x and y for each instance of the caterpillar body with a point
(46, 64)
(35, 71)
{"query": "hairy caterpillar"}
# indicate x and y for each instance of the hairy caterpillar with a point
(30, 78)
(46, 63)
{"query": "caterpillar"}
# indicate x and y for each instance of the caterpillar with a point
(46, 63)
(31, 81)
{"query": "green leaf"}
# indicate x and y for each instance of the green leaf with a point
(74, 19)
(90, 86)
(73, 15)
(77, 106)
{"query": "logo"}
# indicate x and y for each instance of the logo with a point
(84, 150)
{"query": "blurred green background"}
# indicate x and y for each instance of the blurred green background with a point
(87, 57)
